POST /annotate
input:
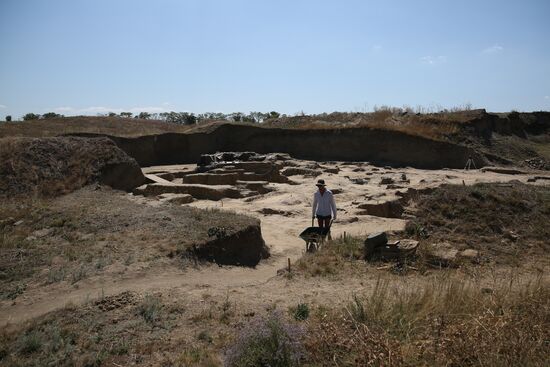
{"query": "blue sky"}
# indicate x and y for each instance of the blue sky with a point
(89, 57)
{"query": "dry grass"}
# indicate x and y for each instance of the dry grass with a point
(114, 126)
(76, 236)
(332, 258)
(124, 329)
(449, 322)
(507, 223)
(54, 166)
(438, 126)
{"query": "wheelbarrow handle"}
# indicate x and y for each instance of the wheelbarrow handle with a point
(312, 221)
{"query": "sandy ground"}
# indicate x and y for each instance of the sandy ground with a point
(258, 287)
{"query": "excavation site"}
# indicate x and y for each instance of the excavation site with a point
(358, 237)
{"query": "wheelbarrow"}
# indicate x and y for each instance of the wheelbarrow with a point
(314, 236)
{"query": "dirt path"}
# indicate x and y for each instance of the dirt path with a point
(260, 285)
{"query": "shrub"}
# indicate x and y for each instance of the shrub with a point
(301, 312)
(8, 118)
(31, 116)
(268, 341)
(51, 115)
(30, 343)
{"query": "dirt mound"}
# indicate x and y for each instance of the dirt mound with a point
(54, 166)
(233, 247)
(504, 222)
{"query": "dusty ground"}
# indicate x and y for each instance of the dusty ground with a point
(280, 232)
(247, 291)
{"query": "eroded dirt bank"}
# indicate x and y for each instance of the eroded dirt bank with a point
(350, 144)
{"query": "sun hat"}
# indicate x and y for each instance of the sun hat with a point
(320, 183)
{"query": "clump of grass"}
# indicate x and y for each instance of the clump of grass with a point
(205, 337)
(197, 357)
(78, 274)
(30, 343)
(300, 312)
(226, 310)
(56, 275)
(150, 308)
(268, 341)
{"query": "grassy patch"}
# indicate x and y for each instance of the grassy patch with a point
(79, 235)
(505, 222)
(447, 322)
(332, 257)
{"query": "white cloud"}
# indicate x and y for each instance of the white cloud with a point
(493, 49)
(433, 60)
(93, 110)
(376, 48)
(546, 97)
(2, 106)
(63, 109)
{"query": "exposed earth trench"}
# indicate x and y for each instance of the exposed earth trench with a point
(289, 213)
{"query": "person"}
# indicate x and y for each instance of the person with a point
(324, 207)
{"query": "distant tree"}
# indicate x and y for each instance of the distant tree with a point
(126, 114)
(144, 115)
(237, 116)
(274, 115)
(111, 114)
(179, 117)
(8, 118)
(51, 115)
(258, 116)
(248, 118)
(31, 116)
(189, 118)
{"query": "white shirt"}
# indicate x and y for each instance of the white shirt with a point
(324, 204)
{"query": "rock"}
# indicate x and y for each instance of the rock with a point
(208, 159)
(42, 232)
(270, 211)
(179, 199)
(394, 187)
(349, 220)
(536, 163)
(201, 192)
(336, 191)
(374, 241)
(386, 180)
(400, 250)
(359, 181)
(6, 222)
(502, 170)
(18, 223)
(442, 254)
(358, 169)
(385, 209)
(332, 170)
(511, 235)
(293, 171)
(469, 254)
